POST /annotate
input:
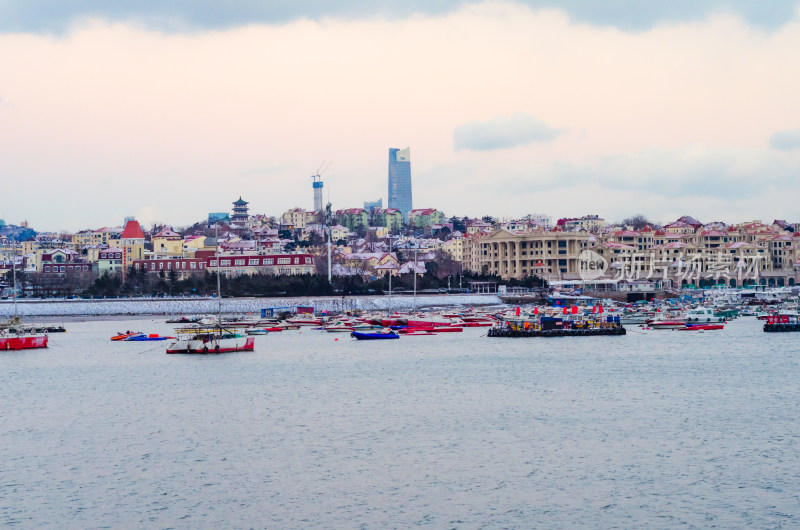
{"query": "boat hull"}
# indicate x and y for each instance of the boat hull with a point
(25, 342)
(374, 336)
(211, 346)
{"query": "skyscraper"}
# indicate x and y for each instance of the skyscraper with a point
(400, 180)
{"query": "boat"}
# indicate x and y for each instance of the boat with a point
(124, 336)
(339, 328)
(183, 320)
(565, 326)
(21, 338)
(442, 329)
(257, 331)
(782, 323)
(148, 337)
(667, 324)
(702, 327)
(374, 336)
(210, 340)
(703, 314)
(15, 336)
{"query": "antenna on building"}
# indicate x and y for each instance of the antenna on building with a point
(317, 185)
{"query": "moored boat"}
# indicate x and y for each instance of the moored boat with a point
(148, 337)
(21, 339)
(703, 314)
(210, 340)
(667, 324)
(702, 327)
(374, 336)
(782, 323)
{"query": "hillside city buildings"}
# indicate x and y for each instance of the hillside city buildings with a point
(373, 241)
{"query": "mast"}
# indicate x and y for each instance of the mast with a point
(390, 273)
(14, 275)
(416, 246)
(219, 291)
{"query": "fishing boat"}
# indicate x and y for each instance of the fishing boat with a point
(21, 338)
(782, 323)
(374, 336)
(210, 340)
(13, 335)
(703, 314)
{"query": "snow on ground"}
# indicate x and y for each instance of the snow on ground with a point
(195, 306)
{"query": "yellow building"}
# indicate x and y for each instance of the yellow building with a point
(296, 217)
(168, 243)
(454, 248)
(131, 243)
(517, 255)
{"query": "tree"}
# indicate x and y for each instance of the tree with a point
(637, 222)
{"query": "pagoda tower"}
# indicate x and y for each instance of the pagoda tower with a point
(240, 214)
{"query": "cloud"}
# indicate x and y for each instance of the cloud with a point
(502, 133)
(708, 182)
(191, 15)
(785, 140)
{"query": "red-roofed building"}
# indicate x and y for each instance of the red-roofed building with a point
(422, 217)
(131, 243)
(132, 230)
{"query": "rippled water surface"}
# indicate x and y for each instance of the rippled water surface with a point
(655, 429)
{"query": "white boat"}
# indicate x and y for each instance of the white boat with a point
(210, 340)
(213, 338)
(703, 314)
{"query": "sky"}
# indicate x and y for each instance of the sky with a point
(168, 110)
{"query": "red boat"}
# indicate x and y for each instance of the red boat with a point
(22, 341)
(445, 329)
(703, 327)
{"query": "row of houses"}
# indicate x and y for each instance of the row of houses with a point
(678, 251)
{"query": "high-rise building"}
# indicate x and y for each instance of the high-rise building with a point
(317, 184)
(371, 205)
(400, 180)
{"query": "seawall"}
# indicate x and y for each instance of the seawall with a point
(201, 306)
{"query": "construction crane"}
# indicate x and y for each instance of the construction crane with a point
(317, 184)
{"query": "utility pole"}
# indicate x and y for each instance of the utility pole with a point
(414, 269)
(328, 223)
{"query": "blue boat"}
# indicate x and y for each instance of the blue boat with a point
(374, 336)
(143, 337)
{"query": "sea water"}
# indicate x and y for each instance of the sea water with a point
(655, 429)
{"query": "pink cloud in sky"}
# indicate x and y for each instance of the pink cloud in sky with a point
(117, 119)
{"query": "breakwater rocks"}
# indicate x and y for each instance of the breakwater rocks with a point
(201, 306)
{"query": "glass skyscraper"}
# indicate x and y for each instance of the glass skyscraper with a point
(400, 180)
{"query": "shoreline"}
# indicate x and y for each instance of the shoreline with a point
(198, 306)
